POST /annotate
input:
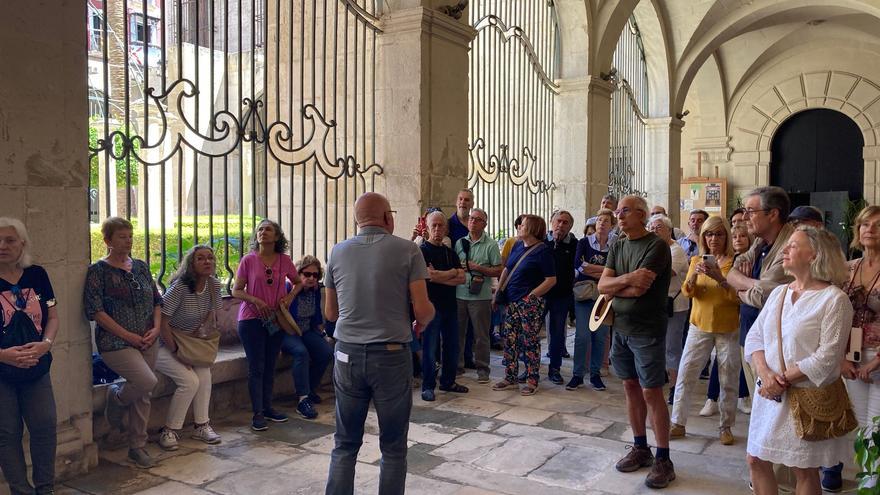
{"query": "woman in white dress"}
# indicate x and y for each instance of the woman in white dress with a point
(816, 319)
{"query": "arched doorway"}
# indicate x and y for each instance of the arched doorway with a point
(816, 156)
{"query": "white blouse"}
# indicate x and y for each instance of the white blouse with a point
(815, 330)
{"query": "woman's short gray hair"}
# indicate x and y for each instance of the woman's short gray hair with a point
(24, 260)
(829, 264)
(662, 218)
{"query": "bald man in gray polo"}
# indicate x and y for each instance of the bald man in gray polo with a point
(373, 281)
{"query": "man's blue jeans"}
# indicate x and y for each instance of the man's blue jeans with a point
(311, 355)
(445, 325)
(557, 314)
(381, 373)
(587, 342)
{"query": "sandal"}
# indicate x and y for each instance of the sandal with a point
(455, 387)
(502, 385)
(528, 390)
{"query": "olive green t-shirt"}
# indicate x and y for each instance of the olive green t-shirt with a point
(643, 316)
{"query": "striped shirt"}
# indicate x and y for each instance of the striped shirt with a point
(187, 310)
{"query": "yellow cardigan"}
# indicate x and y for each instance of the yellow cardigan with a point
(715, 309)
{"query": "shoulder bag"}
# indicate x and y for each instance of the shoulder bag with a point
(819, 413)
(199, 348)
(18, 331)
(501, 293)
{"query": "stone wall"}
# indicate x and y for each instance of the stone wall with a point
(44, 180)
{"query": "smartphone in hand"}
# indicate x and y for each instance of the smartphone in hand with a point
(709, 259)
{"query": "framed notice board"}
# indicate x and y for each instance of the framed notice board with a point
(702, 193)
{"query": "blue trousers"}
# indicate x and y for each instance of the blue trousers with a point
(382, 374)
(261, 350)
(311, 355)
(557, 314)
(587, 343)
(443, 327)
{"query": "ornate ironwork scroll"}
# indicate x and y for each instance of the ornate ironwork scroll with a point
(219, 113)
(627, 156)
(512, 95)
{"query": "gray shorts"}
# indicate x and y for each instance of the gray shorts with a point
(639, 357)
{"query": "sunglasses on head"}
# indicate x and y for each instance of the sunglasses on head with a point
(314, 275)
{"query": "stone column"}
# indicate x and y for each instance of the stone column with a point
(570, 171)
(663, 180)
(422, 110)
(44, 178)
(598, 127)
(871, 155)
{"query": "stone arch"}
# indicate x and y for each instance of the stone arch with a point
(756, 119)
(574, 20)
(654, 28)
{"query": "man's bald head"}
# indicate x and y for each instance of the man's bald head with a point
(373, 209)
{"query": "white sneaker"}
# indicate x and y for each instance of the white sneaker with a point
(168, 439)
(744, 405)
(710, 409)
(206, 434)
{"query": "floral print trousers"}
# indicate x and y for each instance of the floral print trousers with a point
(522, 326)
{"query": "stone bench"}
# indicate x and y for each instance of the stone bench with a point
(229, 378)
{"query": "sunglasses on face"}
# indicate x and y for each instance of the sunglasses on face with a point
(313, 275)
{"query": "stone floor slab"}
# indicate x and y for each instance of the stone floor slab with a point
(578, 424)
(573, 467)
(114, 479)
(174, 487)
(197, 468)
(433, 434)
(263, 454)
(519, 456)
(533, 432)
(525, 415)
(296, 432)
(304, 476)
(474, 407)
(555, 404)
(499, 482)
(469, 447)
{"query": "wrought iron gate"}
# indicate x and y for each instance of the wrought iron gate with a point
(208, 115)
(513, 62)
(626, 161)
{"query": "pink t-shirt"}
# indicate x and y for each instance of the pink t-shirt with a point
(253, 271)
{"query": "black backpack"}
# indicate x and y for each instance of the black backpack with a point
(20, 331)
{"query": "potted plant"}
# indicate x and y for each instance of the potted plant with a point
(867, 447)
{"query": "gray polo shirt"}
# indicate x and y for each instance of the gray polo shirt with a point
(371, 273)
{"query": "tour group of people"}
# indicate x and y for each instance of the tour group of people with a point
(763, 302)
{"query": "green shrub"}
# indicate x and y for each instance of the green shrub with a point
(178, 242)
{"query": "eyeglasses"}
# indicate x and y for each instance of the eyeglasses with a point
(477, 219)
(129, 276)
(622, 212)
(749, 212)
(715, 234)
(269, 275)
(393, 212)
(313, 275)
(20, 300)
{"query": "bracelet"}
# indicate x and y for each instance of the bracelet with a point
(49, 341)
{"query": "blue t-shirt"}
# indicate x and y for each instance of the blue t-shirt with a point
(531, 272)
(457, 230)
(586, 252)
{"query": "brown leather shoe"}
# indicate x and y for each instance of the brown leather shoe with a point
(662, 473)
(726, 437)
(636, 458)
(676, 431)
